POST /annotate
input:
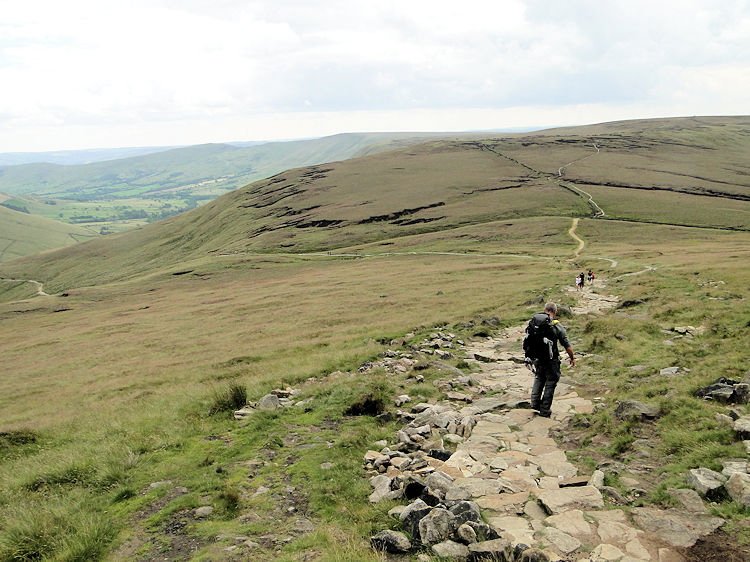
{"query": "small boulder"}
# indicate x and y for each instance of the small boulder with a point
(483, 358)
(742, 427)
(535, 555)
(203, 511)
(269, 402)
(689, 499)
(451, 550)
(440, 454)
(738, 487)
(466, 534)
(412, 515)
(465, 511)
(721, 390)
(707, 482)
(437, 526)
(483, 530)
(396, 511)
(498, 549)
(439, 481)
(390, 541)
(597, 479)
(402, 399)
(628, 409)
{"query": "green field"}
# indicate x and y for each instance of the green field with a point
(114, 381)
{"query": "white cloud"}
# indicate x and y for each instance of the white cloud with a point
(187, 71)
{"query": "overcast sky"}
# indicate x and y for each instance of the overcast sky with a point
(103, 73)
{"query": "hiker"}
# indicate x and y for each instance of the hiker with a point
(589, 276)
(578, 282)
(582, 278)
(543, 357)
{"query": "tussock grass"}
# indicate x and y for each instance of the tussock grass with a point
(227, 399)
(54, 529)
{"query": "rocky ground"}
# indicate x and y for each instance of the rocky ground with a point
(483, 456)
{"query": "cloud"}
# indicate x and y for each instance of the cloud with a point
(164, 64)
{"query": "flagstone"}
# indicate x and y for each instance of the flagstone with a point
(514, 458)
(498, 464)
(522, 417)
(614, 532)
(462, 460)
(549, 483)
(539, 450)
(489, 428)
(539, 440)
(515, 528)
(540, 425)
(571, 522)
(502, 502)
(558, 539)
(520, 479)
(535, 511)
(478, 487)
(556, 464)
(607, 553)
(636, 548)
(519, 446)
(564, 499)
(608, 515)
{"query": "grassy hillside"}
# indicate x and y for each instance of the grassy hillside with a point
(435, 186)
(111, 387)
(116, 195)
(22, 234)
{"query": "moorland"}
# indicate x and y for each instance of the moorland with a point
(118, 384)
(116, 192)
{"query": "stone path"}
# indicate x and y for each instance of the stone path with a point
(507, 462)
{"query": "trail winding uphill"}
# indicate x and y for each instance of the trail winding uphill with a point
(572, 232)
(508, 466)
(39, 286)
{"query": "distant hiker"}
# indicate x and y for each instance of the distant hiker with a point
(582, 278)
(578, 282)
(589, 276)
(592, 276)
(542, 356)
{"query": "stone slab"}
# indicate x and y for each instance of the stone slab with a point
(565, 499)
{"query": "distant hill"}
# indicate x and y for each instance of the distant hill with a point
(73, 157)
(188, 168)
(22, 234)
(677, 172)
(120, 194)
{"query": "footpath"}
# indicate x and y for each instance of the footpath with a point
(507, 491)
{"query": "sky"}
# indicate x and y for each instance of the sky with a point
(87, 74)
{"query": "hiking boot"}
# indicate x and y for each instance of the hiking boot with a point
(545, 414)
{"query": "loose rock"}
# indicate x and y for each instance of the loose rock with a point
(451, 549)
(390, 541)
(707, 482)
(437, 526)
(269, 402)
(628, 409)
(738, 487)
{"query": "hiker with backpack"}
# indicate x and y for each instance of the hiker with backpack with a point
(543, 358)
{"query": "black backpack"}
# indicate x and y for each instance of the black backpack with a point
(539, 343)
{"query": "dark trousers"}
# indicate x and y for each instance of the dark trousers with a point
(543, 391)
